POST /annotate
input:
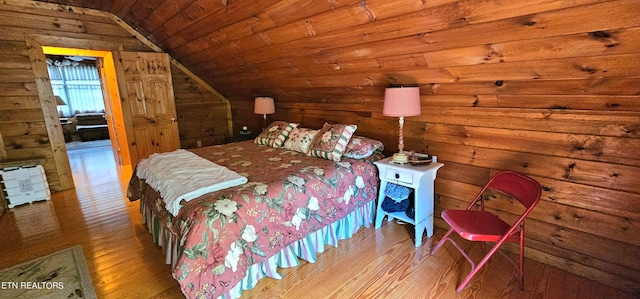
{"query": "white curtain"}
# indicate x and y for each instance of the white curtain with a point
(78, 86)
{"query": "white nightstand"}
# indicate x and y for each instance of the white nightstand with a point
(420, 178)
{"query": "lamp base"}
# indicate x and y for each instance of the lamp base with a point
(400, 158)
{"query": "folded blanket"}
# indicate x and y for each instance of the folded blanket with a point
(397, 192)
(183, 175)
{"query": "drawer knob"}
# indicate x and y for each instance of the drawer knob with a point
(397, 175)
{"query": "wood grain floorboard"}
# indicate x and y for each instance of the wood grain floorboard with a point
(125, 263)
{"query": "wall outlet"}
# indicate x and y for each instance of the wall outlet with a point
(199, 143)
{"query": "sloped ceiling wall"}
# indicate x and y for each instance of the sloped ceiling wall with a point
(547, 88)
(244, 48)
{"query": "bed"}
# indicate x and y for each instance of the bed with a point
(222, 242)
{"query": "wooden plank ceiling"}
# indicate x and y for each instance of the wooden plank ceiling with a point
(301, 50)
(275, 47)
(248, 47)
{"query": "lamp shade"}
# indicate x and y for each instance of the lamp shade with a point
(401, 101)
(59, 101)
(264, 105)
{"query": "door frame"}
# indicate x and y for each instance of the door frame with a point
(113, 111)
(36, 45)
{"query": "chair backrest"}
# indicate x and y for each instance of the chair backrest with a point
(521, 187)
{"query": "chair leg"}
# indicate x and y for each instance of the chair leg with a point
(441, 242)
(476, 268)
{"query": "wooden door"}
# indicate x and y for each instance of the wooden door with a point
(147, 103)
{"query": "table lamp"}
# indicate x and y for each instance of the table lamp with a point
(60, 102)
(401, 102)
(264, 106)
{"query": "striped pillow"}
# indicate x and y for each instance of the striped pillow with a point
(331, 141)
(275, 134)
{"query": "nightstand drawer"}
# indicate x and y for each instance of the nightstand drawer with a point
(398, 175)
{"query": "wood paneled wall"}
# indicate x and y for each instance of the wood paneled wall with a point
(22, 126)
(202, 115)
(547, 88)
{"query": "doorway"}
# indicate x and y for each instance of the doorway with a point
(111, 98)
(78, 90)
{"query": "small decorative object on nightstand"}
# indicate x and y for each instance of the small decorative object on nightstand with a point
(420, 178)
(245, 134)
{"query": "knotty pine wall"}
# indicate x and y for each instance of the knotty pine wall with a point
(553, 94)
(22, 125)
(547, 88)
(202, 115)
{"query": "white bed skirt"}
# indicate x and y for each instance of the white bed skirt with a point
(289, 256)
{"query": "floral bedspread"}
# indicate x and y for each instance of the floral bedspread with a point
(288, 196)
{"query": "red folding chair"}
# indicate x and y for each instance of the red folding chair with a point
(483, 226)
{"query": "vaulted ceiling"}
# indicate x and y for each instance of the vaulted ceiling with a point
(304, 50)
(246, 48)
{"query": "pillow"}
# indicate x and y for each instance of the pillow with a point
(300, 139)
(331, 141)
(275, 134)
(360, 147)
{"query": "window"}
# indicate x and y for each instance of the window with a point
(77, 82)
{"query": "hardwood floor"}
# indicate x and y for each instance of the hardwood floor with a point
(374, 264)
